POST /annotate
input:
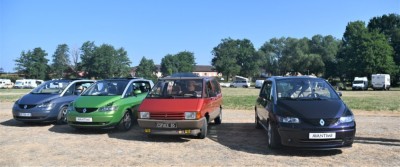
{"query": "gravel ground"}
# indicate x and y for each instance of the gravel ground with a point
(233, 143)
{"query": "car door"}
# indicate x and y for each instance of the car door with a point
(264, 102)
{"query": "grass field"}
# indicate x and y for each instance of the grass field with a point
(244, 98)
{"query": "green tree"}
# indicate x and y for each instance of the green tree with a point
(181, 62)
(122, 63)
(225, 58)
(270, 54)
(363, 53)
(87, 59)
(61, 61)
(33, 64)
(327, 47)
(146, 69)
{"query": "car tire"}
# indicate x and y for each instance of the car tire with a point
(126, 122)
(203, 130)
(273, 136)
(257, 121)
(62, 116)
(218, 119)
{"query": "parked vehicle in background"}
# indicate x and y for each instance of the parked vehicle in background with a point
(181, 106)
(225, 84)
(259, 83)
(6, 83)
(360, 83)
(240, 81)
(380, 81)
(49, 101)
(27, 83)
(304, 112)
(109, 103)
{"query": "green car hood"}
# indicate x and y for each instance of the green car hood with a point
(95, 101)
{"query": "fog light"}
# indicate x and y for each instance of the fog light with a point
(147, 130)
(187, 131)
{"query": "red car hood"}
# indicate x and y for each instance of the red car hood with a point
(171, 105)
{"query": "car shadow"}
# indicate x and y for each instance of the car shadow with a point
(380, 141)
(136, 133)
(244, 137)
(15, 123)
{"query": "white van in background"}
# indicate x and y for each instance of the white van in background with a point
(380, 81)
(6, 83)
(27, 83)
(360, 83)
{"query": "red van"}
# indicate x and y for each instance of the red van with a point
(180, 105)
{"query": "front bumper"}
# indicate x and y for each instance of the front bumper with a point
(97, 120)
(183, 127)
(34, 114)
(299, 137)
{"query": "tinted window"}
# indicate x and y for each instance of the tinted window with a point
(107, 88)
(266, 90)
(304, 88)
(51, 87)
(177, 88)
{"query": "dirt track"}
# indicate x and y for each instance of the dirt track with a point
(233, 143)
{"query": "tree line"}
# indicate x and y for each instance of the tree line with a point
(364, 49)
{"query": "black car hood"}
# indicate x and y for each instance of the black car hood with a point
(37, 98)
(314, 109)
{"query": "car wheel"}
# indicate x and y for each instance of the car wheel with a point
(203, 130)
(62, 116)
(126, 121)
(257, 121)
(273, 138)
(218, 119)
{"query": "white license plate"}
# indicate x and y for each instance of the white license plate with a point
(25, 114)
(322, 135)
(166, 125)
(83, 119)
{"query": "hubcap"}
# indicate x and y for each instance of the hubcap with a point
(127, 120)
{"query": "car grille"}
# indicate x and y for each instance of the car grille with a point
(167, 116)
(28, 106)
(88, 110)
(328, 122)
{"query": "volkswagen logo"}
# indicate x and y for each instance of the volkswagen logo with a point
(25, 106)
(322, 122)
(84, 110)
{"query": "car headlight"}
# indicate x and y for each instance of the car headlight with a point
(190, 115)
(346, 119)
(144, 115)
(288, 119)
(45, 105)
(108, 108)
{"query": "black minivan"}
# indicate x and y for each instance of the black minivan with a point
(304, 112)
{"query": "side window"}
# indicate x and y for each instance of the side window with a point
(266, 90)
(209, 90)
(216, 86)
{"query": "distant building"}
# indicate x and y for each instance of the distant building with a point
(201, 70)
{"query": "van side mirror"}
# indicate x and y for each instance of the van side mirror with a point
(339, 93)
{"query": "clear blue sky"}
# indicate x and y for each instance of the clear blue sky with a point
(156, 28)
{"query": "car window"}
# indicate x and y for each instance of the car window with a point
(181, 88)
(51, 87)
(304, 88)
(216, 86)
(138, 87)
(266, 90)
(107, 88)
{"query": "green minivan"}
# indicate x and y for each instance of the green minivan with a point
(109, 103)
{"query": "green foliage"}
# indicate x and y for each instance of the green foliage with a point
(363, 53)
(236, 57)
(104, 61)
(146, 69)
(61, 61)
(181, 62)
(32, 64)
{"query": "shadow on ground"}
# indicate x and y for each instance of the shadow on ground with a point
(380, 141)
(14, 123)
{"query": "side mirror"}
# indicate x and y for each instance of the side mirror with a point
(339, 93)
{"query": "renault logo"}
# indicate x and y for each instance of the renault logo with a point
(322, 122)
(25, 106)
(84, 110)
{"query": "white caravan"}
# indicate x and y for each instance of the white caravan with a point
(380, 81)
(6, 83)
(27, 83)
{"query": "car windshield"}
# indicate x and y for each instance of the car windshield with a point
(358, 82)
(51, 87)
(182, 88)
(106, 88)
(304, 89)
